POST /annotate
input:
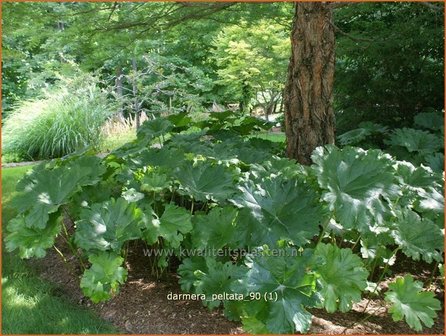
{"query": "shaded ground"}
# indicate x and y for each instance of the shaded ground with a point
(142, 305)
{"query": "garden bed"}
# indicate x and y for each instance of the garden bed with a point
(142, 307)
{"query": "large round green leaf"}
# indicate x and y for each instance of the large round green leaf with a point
(108, 225)
(356, 184)
(283, 276)
(279, 208)
(204, 181)
(417, 237)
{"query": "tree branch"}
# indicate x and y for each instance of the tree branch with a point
(204, 12)
(115, 5)
(334, 5)
(353, 38)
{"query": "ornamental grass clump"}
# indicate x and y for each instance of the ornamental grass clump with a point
(66, 119)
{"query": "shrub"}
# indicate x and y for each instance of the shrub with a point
(63, 121)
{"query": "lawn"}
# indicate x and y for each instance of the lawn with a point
(30, 304)
(271, 136)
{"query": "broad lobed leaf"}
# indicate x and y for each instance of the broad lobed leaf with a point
(408, 301)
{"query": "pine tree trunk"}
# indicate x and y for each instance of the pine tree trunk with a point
(309, 117)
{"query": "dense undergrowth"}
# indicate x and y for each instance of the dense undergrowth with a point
(267, 238)
(423, 143)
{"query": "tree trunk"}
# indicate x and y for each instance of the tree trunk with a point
(309, 117)
(282, 101)
(119, 91)
(135, 94)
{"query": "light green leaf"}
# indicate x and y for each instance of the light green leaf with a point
(217, 278)
(30, 240)
(342, 275)
(216, 229)
(408, 301)
(155, 182)
(165, 157)
(416, 177)
(101, 281)
(132, 196)
(187, 271)
(286, 275)
(174, 223)
(43, 192)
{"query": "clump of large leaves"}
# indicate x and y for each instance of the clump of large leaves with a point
(356, 184)
(409, 301)
(279, 208)
(277, 201)
(417, 141)
(101, 281)
(108, 225)
(342, 275)
(430, 120)
(283, 274)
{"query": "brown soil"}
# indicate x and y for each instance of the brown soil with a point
(142, 307)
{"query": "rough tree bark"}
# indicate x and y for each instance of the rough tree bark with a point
(308, 96)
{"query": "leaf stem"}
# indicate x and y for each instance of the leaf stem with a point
(434, 272)
(356, 242)
(381, 277)
(61, 254)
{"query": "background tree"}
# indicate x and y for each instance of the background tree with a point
(389, 63)
(252, 62)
